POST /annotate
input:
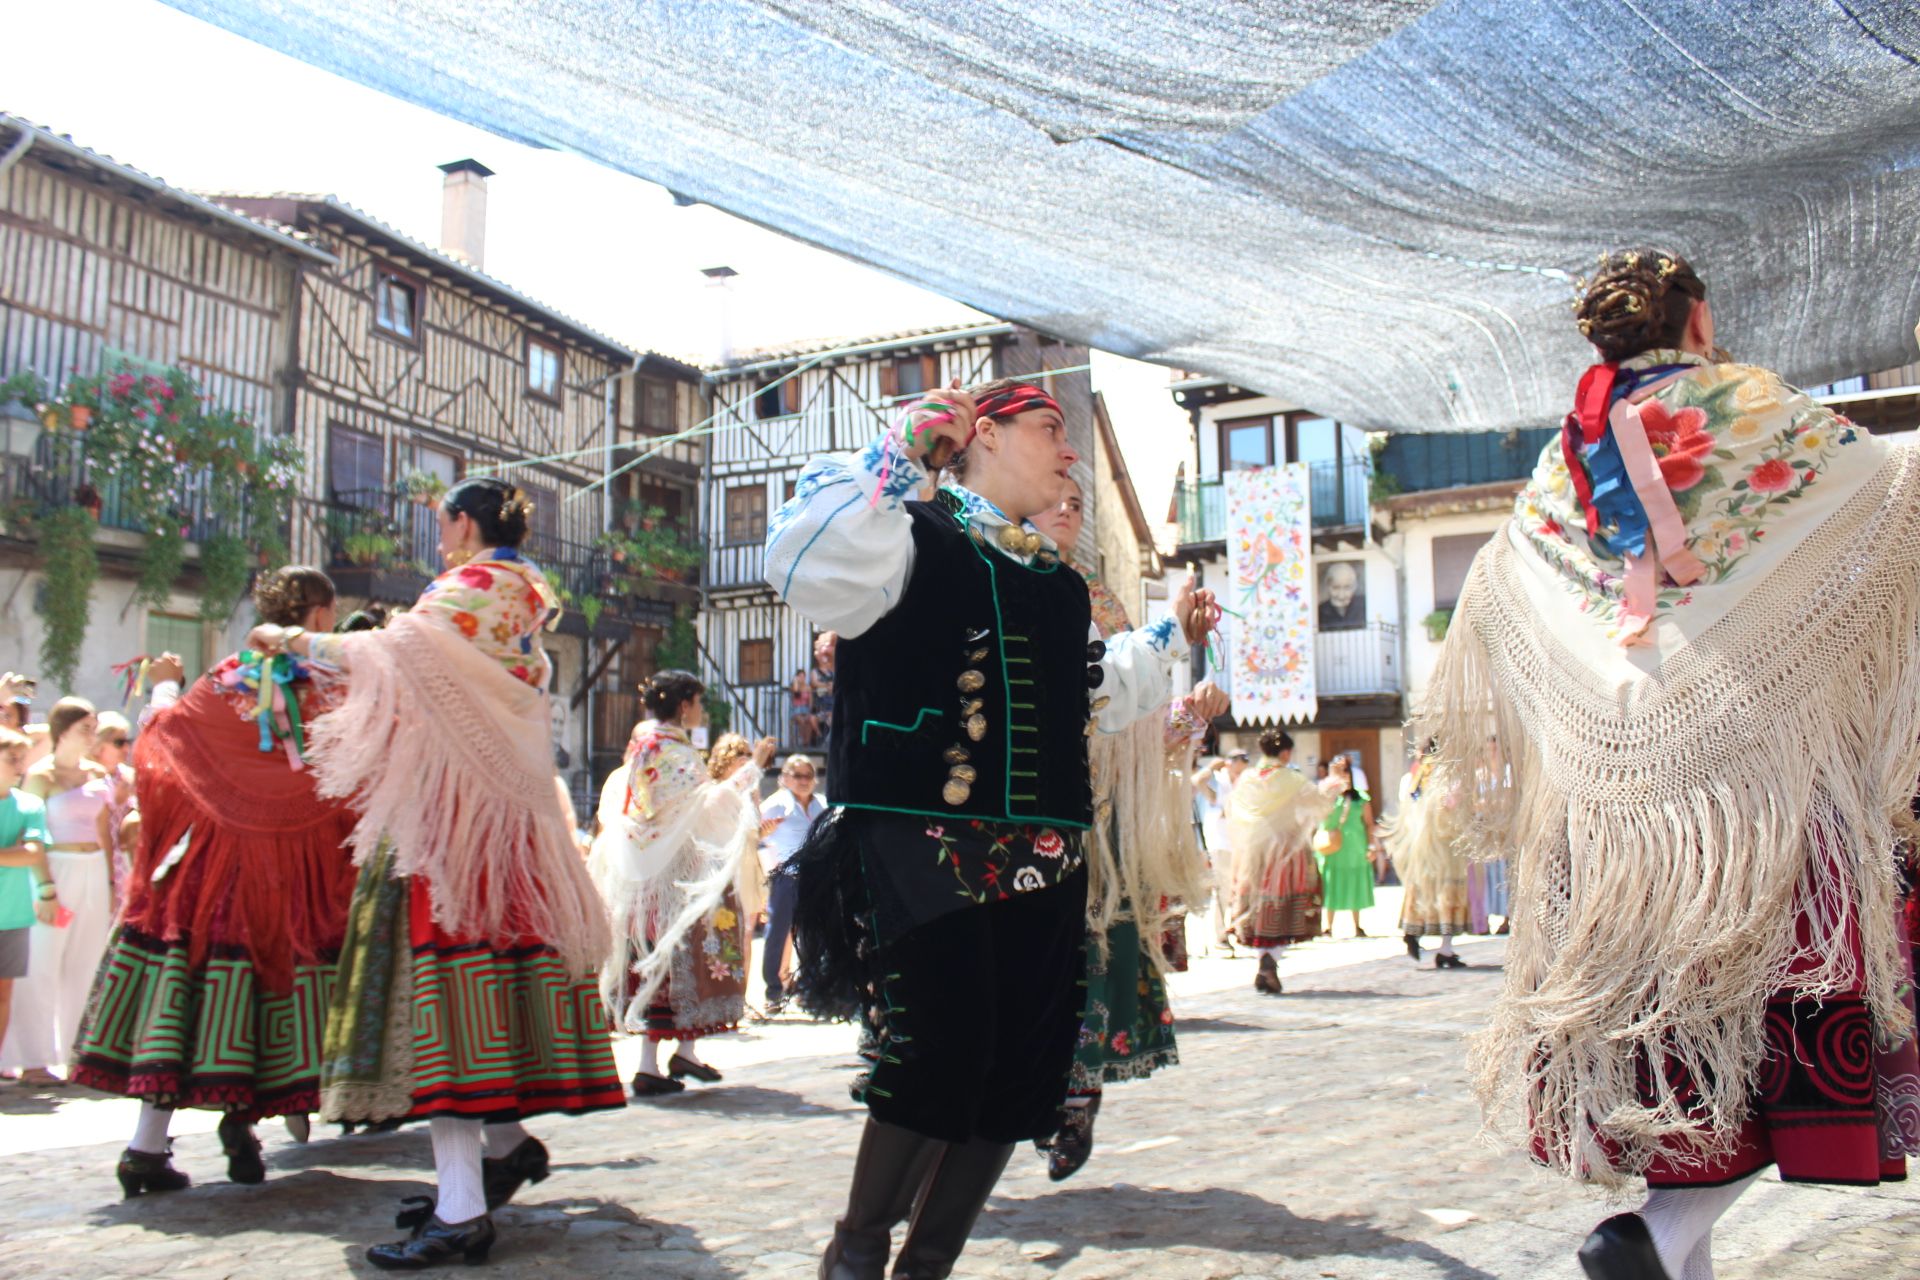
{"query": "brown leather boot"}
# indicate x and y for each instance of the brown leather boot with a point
(887, 1173)
(943, 1219)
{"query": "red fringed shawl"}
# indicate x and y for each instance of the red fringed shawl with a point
(267, 868)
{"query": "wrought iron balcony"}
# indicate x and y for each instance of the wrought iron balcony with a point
(1337, 499)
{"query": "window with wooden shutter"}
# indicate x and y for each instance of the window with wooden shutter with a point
(790, 395)
(356, 467)
(768, 402)
(747, 513)
(546, 367)
(756, 662)
(913, 375)
(396, 306)
(889, 378)
(1452, 557)
(656, 405)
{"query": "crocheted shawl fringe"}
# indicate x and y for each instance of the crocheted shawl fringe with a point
(1682, 849)
(447, 757)
(1271, 819)
(716, 831)
(1143, 863)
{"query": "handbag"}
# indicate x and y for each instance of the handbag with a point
(1327, 840)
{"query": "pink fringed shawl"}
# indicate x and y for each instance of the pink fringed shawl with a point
(447, 757)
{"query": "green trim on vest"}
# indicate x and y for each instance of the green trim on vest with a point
(902, 728)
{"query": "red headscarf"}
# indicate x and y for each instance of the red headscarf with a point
(1014, 400)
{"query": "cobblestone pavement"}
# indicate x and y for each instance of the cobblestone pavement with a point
(1325, 1133)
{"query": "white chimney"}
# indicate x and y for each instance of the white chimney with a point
(720, 281)
(463, 212)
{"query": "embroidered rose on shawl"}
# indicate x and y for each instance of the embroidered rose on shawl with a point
(1680, 441)
(1771, 476)
(468, 624)
(1048, 844)
(1027, 879)
(475, 576)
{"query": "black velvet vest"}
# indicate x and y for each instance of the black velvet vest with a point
(970, 698)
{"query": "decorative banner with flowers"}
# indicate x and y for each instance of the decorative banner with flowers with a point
(1269, 538)
(1753, 465)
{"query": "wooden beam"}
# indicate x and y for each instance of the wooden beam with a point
(598, 669)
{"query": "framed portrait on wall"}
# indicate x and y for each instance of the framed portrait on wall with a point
(1342, 593)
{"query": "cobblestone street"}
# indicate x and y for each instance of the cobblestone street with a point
(1326, 1133)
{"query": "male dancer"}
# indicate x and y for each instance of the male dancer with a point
(944, 899)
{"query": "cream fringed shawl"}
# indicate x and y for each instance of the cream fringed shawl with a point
(448, 757)
(670, 846)
(1272, 813)
(1671, 811)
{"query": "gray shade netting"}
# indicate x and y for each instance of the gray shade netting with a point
(1372, 209)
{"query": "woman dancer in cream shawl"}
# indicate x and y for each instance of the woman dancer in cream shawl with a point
(673, 843)
(1698, 644)
(1271, 817)
(1419, 837)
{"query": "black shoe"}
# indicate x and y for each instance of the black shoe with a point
(646, 1086)
(1621, 1248)
(1267, 980)
(237, 1139)
(1442, 960)
(434, 1243)
(500, 1179)
(1413, 947)
(144, 1172)
(678, 1066)
(504, 1177)
(1074, 1143)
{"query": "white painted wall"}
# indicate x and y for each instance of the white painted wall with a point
(1417, 538)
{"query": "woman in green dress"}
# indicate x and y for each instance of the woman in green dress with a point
(1343, 845)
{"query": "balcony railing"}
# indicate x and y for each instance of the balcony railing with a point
(1356, 663)
(57, 474)
(388, 533)
(1337, 499)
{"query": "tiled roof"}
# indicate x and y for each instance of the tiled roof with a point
(437, 258)
(45, 140)
(788, 352)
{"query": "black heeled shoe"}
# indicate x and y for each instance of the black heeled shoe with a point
(647, 1086)
(434, 1243)
(242, 1146)
(1413, 947)
(1442, 960)
(499, 1180)
(1267, 980)
(145, 1172)
(678, 1066)
(1621, 1248)
(1072, 1146)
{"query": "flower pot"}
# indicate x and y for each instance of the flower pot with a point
(81, 416)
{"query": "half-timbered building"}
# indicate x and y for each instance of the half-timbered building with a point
(776, 409)
(103, 267)
(412, 368)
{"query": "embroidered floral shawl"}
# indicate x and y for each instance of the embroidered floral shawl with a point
(1672, 808)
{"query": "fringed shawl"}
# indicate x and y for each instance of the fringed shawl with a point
(449, 759)
(1272, 814)
(672, 842)
(1143, 863)
(1671, 812)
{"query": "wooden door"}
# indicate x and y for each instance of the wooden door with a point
(1364, 743)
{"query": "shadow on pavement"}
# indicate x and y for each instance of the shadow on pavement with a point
(1198, 1026)
(737, 1100)
(1122, 1219)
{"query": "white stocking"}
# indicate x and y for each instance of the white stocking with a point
(456, 1162)
(650, 1056)
(1275, 952)
(1679, 1218)
(1700, 1261)
(150, 1130)
(688, 1049)
(1446, 944)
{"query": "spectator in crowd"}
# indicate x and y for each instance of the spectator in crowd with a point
(823, 648)
(26, 886)
(806, 730)
(785, 818)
